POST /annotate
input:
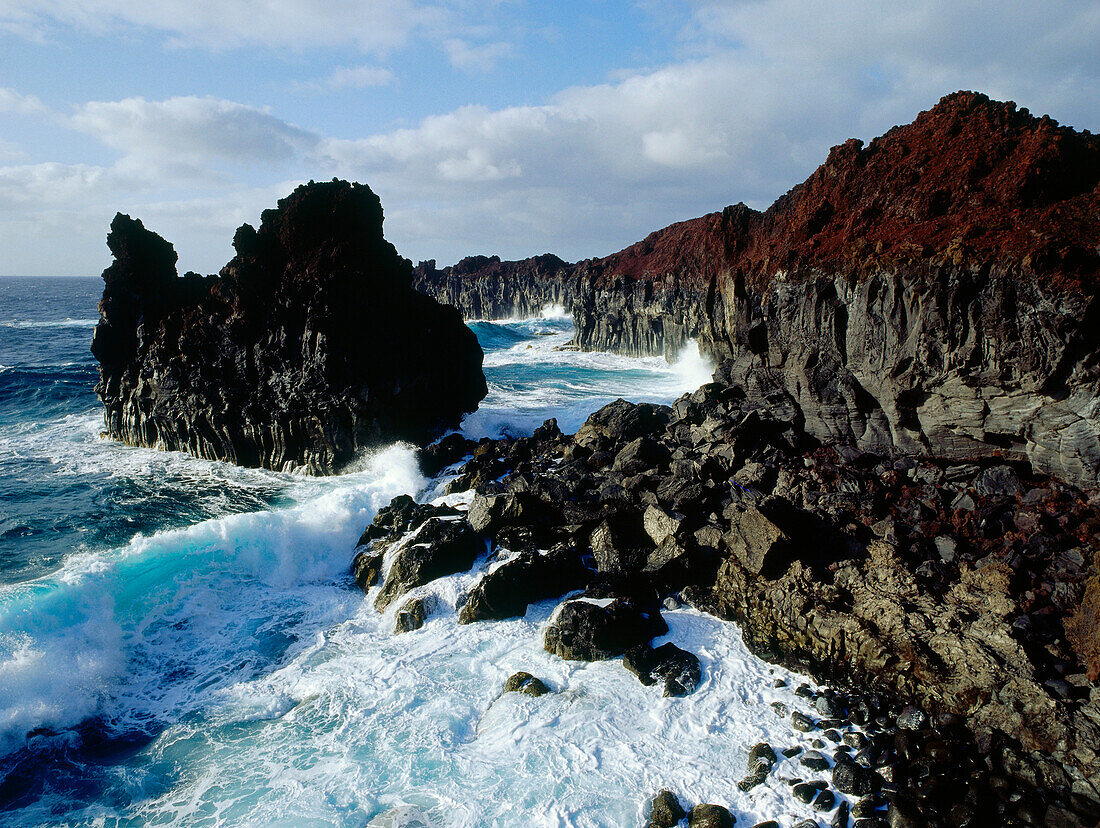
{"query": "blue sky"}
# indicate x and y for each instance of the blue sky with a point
(500, 126)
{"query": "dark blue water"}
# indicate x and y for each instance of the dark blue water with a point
(180, 641)
(61, 488)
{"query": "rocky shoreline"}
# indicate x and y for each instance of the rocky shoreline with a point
(954, 607)
(930, 294)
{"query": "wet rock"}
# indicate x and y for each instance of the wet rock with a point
(840, 818)
(586, 631)
(824, 801)
(665, 811)
(761, 755)
(678, 668)
(440, 547)
(802, 722)
(366, 568)
(531, 576)
(619, 422)
(413, 614)
(807, 791)
(813, 760)
(850, 778)
(307, 348)
(522, 682)
(710, 816)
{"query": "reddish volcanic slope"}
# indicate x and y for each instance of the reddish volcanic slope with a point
(970, 177)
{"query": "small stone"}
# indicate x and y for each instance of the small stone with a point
(801, 722)
(780, 709)
(814, 761)
(665, 811)
(792, 751)
(825, 801)
(761, 755)
(808, 791)
(828, 707)
(771, 823)
(753, 779)
(525, 683)
(804, 691)
(912, 718)
(832, 735)
(855, 740)
(807, 823)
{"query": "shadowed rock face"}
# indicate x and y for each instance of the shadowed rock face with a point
(931, 293)
(309, 346)
(484, 287)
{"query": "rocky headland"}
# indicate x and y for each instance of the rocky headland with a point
(484, 287)
(309, 346)
(932, 293)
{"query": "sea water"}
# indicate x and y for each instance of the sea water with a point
(181, 643)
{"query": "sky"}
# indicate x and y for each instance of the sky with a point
(506, 127)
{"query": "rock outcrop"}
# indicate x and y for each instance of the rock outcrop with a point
(967, 590)
(484, 287)
(933, 293)
(307, 348)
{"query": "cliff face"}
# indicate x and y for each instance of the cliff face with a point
(309, 346)
(931, 293)
(484, 287)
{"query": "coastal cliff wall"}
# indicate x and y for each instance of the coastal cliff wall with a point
(484, 287)
(933, 293)
(307, 348)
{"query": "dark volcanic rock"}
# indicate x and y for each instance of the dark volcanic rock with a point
(484, 287)
(413, 614)
(309, 346)
(710, 816)
(531, 576)
(526, 683)
(586, 631)
(678, 668)
(665, 811)
(441, 546)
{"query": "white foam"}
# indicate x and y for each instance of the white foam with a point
(54, 323)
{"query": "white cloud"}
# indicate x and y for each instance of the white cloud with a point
(375, 26)
(358, 77)
(190, 132)
(478, 57)
(12, 101)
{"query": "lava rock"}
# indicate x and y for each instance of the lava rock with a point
(413, 614)
(522, 682)
(441, 546)
(309, 347)
(586, 631)
(710, 816)
(679, 669)
(533, 575)
(665, 811)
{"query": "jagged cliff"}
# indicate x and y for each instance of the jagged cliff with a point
(484, 287)
(931, 293)
(309, 346)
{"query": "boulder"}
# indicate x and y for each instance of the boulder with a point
(587, 630)
(441, 546)
(522, 682)
(413, 614)
(531, 576)
(678, 668)
(619, 422)
(665, 811)
(710, 816)
(754, 540)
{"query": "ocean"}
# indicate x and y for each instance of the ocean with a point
(181, 642)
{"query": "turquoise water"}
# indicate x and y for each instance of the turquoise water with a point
(180, 642)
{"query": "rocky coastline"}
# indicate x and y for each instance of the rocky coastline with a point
(933, 293)
(484, 287)
(952, 606)
(309, 347)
